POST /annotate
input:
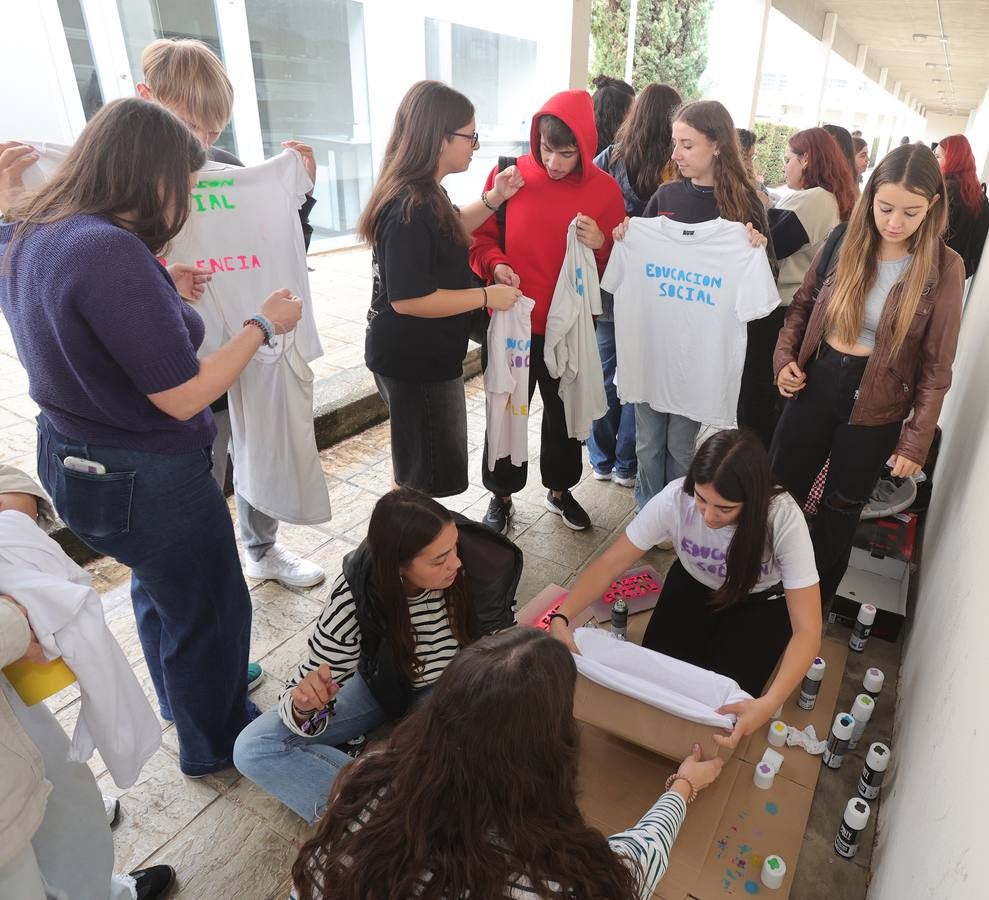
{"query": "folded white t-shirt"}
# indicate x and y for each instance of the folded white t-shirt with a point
(788, 555)
(672, 685)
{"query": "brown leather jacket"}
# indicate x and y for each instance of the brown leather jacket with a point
(920, 374)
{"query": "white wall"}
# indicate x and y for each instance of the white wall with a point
(39, 101)
(932, 823)
(940, 126)
(978, 136)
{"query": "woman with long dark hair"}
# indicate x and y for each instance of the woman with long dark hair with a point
(713, 183)
(843, 138)
(968, 208)
(417, 324)
(474, 795)
(612, 100)
(125, 431)
(743, 590)
(422, 585)
(874, 345)
(639, 160)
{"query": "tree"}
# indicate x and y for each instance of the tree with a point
(670, 42)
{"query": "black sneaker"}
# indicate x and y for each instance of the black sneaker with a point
(499, 514)
(153, 882)
(572, 512)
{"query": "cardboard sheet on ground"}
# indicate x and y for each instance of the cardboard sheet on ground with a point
(660, 681)
(639, 588)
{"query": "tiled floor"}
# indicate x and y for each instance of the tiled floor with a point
(341, 291)
(226, 838)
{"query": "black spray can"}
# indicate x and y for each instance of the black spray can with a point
(841, 733)
(811, 684)
(874, 770)
(846, 841)
(619, 619)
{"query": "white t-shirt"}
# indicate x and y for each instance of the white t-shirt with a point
(683, 296)
(672, 514)
(506, 383)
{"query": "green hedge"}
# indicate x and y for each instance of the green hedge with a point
(770, 149)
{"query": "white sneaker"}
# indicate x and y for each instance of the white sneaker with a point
(279, 564)
(600, 476)
(111, 806)
(622, 480)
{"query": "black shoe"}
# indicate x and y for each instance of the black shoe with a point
(354, 748)
(498, 515)
(153, 882)
(572, 512)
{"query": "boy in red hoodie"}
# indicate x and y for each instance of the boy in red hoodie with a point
(561, 183)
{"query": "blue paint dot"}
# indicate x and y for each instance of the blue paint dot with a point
(772, 809)
(751, 887)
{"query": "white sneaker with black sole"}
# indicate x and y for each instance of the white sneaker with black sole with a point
(573, 514)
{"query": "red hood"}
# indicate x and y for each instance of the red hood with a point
(574, 108)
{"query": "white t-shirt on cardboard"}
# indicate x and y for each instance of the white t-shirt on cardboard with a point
(672, 514)
(683, 296)
(506, 383)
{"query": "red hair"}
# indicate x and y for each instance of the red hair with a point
(827, 167)
(959, 163)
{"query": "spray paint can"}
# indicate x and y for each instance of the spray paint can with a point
(873, 682)
(811, 684)
(861, 712)
(837, 746)
(619, 619)
(863, 627)
(853, 822)
(874, 770)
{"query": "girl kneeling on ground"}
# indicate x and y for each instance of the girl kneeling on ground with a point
(874, 345)
(418, 589)
(474, 794)
(743, 590)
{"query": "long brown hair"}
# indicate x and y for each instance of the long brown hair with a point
(402, 524)
(475, 789)
(131, 165)
(645, 139)
(428, 114)
(914, 168)
(734, 190)
(826, 167)
(735, 464)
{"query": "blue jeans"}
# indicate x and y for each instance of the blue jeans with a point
(299, 771)
(611, 445)
(164, 517)
(664, 445)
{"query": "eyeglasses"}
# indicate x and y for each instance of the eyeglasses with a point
(471, 137)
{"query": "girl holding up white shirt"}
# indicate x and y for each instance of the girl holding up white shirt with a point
(743, 590)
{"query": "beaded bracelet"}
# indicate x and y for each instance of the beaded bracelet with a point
(267, 329)
(675, 777)
(484, 200)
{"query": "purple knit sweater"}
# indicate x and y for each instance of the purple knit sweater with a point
(99, 325)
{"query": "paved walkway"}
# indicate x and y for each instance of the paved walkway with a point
(341, 289)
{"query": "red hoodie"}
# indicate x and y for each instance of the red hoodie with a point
(537, 217)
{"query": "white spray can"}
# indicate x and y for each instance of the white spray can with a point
(863, 627)
(837, 746)
(861, 712)
(874, 770)
(846, 841)
(873, 682)
(811, 684)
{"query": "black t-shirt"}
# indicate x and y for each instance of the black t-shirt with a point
(412, 259)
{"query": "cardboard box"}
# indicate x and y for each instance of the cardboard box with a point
(892, 536)
(880, 580)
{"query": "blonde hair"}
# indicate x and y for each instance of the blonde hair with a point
(186, 74)
(914, 168)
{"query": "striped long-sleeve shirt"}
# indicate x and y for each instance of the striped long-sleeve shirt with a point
(336, 641)
(646, 846)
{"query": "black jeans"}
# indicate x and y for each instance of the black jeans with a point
(815, 425)
(758, 397)
(744, 641)
(560, 462)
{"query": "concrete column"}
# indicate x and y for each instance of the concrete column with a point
(730, 77)
(580, 39)
(863, 52)
(827, 42)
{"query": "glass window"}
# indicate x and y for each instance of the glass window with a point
(144, 21)
(311, 80)
(498, 73)
(81, 52)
